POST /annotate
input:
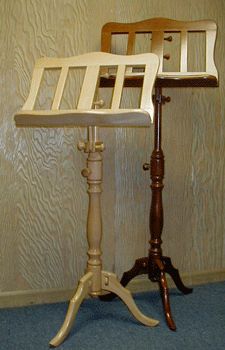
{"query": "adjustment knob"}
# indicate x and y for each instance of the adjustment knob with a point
(81, 145)
(146, 166)
(99, 103)
(85, 172)
(99, 146)
(166, 56)
(169, 38)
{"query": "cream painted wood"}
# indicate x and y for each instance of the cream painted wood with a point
(40, 163)
(117, 93)
(95, 281)
(60, 88)
(159, 27)
(36, 81)
(183, 59)
(110, 283)
(82, 291)
(85, 115)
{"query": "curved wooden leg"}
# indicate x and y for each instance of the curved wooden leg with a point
(111, 284)
(165, 299)
(81, 292)
(174, 273)
(140, 267)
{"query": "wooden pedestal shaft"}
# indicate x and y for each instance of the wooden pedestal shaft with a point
(156, 265)
(96, 281)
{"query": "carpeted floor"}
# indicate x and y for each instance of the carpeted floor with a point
(200, 319)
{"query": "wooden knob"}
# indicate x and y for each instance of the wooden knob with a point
(99, 146)
(99, 103)
(81, 145)
(169, 38)
(165, 99)
(146, 166)
(85, 172)
(166, 56)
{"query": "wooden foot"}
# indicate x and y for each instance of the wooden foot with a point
(164, 291)
(110, 283)
(174, 273)
(81, 293)
(156, 270)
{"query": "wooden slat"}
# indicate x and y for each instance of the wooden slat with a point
(35, 85)
(117, 93)
(183, 54)
(146, 96)
(131, 43)
(210, 45)
(106, 39)
(88, 87)
(157, 46)
(157, 26)
(60, 88)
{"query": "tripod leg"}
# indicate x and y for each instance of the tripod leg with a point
(140, 267)
(111, 284)
(82, 291)
(174, 273)
(165, 299)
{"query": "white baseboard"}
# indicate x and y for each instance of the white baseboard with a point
(139, 284)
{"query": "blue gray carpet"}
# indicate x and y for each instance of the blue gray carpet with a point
(200, 320)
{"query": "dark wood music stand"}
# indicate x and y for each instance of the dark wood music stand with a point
(156, 265)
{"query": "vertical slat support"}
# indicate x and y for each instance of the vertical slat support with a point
(146, 98)
(210, 45)
(106, 40)
(35, 85)
(88, 88)
(60, 88)
(131, 43)
(118, 88)
(183, 54)
(157, 46)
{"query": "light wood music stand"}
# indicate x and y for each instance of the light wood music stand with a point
(161, 29)
(95, 281)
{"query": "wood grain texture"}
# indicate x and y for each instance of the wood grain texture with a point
(43, 200)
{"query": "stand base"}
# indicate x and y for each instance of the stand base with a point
(156, 270)
(111, 284)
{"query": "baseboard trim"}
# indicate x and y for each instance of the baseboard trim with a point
(189, 279)
(139, 284)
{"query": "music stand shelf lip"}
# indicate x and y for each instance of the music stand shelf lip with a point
(83, 118)
(192, 80)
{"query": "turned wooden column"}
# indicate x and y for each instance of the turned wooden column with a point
(157, 175)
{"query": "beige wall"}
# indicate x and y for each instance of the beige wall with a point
(43, 201)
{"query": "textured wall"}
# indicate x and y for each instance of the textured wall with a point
(43, 201)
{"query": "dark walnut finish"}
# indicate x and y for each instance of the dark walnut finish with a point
(206, 81)
(156, 266)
